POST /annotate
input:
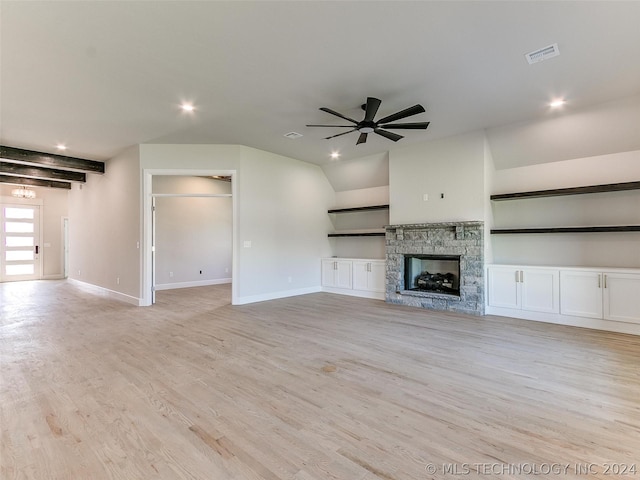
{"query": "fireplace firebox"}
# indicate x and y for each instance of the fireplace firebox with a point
(432, 273)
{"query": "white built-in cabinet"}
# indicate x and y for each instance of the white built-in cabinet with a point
(354, 276)
(601, 294)
(523, 288)
(337, 273)
(607, 299)
(368, 275)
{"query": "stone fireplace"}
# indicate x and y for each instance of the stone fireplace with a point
(438, 266)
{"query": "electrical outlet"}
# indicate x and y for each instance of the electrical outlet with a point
(118, 281)
(425, 197)
(289, 279)
(226, 270)
(170, 274)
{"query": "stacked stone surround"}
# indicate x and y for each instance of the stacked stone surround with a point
(454, 238)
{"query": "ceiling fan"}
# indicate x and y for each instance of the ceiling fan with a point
(368, 125)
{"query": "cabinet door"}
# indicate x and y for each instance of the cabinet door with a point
(328, 273)
(581, 293)
(343, 274)
(621, 297)
(539, 289)
(503, 287)
(360, 275)
(377, 276)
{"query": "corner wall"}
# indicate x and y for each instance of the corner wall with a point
(281, 215)
(104, 228)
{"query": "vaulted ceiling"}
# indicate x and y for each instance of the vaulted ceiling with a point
(102, 76)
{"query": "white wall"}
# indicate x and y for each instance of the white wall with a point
(193, 234)
(104, 227)
(568, 133)
(591, 249)
(452, 166)
(358, 173)
(281, 208)
(53, 208)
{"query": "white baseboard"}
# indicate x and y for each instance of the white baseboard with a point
(200, 283)
(97, 290)
(355, 293)
(275, 295)
(55, 276)
(584, 322)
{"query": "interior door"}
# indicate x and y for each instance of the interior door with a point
(19, 242)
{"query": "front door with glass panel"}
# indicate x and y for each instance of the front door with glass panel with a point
(19, 242)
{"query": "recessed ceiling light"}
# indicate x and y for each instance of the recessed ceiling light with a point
(557, 103)
(187, 107)
(61, 146)
(335, 155)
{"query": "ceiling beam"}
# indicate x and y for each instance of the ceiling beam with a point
(50, 160)
(20, 170)
(34, 182)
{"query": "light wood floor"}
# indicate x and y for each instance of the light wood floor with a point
(313, 387)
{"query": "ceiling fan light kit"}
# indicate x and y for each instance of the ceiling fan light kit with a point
(368, 125)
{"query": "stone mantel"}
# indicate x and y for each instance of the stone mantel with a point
(418, 226)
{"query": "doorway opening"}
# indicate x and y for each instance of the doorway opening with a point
(189, 230)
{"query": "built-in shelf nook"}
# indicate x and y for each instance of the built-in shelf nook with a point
(590, 189)
(379, 232)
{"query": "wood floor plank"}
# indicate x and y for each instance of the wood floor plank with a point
(313, 387)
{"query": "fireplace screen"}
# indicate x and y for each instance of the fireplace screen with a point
(432, 273)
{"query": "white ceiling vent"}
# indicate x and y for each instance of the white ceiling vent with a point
(543, 54)
(293, 135)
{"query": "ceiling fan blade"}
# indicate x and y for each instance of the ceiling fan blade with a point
(338, 126)
(373, 104)
(390, 135)
(362, 139)
(407, 112)
(339, 134)
(412, 126)
(333, 112)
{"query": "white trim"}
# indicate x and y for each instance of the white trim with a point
(147, 195)
(196, 195)
(275, 295)
(558, 319)
(53, 276)
(355, 293)
(199, 283)
(97, 290)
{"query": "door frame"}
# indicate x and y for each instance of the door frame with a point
(30, 202)
(147, 226)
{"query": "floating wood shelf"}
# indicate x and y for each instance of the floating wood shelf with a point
(612, 228)
(360, 209)
(611, 187)
(356, 234)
